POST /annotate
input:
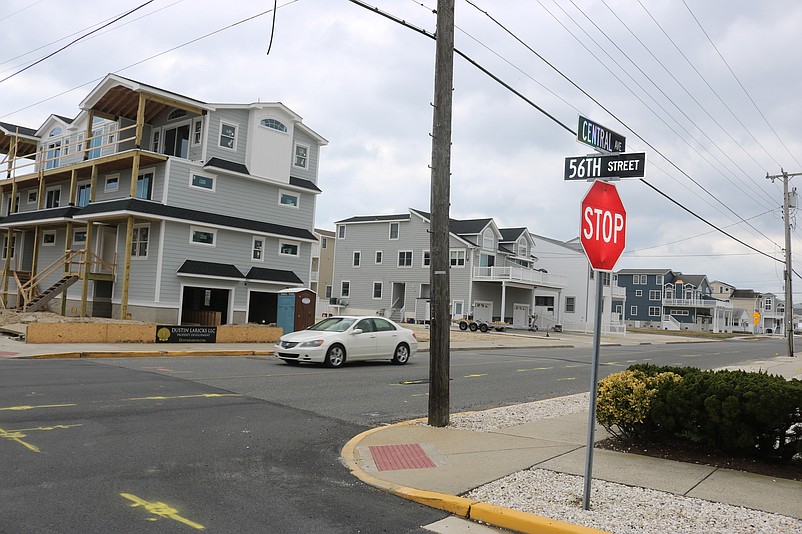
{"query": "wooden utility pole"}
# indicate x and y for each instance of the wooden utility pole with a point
(788, 318)
(439, 334)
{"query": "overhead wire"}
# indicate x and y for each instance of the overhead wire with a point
(597, 102)
(48, 56)
(430, 35)
(739, 82)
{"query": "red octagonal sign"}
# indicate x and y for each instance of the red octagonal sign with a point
(604, 226)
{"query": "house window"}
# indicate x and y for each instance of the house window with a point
(488, 240)
(53, 197)
(176, 114)
(638, 292)
(202, 236)
(328, 292)
(13, 246)
(427, 258)
(458, 309)
(94, 143)
(324, 243)
(144, 186)
(82, 198)
(457, 258)
(49, 238)
(33, 196)
(379, 257)
(288, 199)
(357, 258)
(633, 311)
(341, 232)
(257, 249)
(523, 249)
(405, 258)
(274, 125)
(619, 309)
(199, 181)
(345, 288)
(570, 304)
(287, 248)
(301, 155)
(139, 245)
(377, 290)
(112, 183)
(654, 311)
(659, 279)
(228, 136)
(639, 279)
(681, 313)
(767, 304)
(669, 291)
(394, 230)
(79, 236)
(197, 131)
(654, 294)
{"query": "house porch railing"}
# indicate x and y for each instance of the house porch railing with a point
(518, 274)
(697, 303)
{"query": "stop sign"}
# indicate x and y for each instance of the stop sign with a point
(604, 225)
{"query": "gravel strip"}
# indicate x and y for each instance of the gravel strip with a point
(616, 508)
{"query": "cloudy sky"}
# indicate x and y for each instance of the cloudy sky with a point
(709, 89)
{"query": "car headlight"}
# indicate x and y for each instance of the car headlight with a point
(315, 343)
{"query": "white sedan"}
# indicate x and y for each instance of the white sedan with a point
(335, 339)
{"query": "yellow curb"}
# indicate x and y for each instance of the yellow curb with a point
(478, 511)
(523, 522)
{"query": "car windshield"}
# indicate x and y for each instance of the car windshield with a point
(333, 324)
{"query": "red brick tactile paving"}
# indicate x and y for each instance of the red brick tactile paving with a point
(395, 457)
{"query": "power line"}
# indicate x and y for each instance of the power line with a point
(740, 84)
(558, 71)
(554, 119)
(20, 10)
(75, 41)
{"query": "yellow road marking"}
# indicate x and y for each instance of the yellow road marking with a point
(160, 509)
(632, 361)
(19, 433)
(572, 366)
(203, 395)
(533, 369)
(561, 379)
(23, 408)
(474, 376)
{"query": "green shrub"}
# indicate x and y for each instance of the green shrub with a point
(624, 401)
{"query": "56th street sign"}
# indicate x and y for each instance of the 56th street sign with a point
(605, 167)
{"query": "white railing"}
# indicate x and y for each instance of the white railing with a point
(697, 303)
(669, 323)
(587, 327)
(519, 274)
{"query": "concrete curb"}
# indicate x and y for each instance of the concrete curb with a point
(458, 349)
(145, 354)
(490, 514)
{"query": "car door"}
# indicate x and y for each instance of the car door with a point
(362, 345)
(386, 337)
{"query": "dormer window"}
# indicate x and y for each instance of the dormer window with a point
(55, 131)
(488, 240)
(274, 125)
(176, 114)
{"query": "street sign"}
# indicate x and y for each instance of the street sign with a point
(756, 317)
(604, 226)
(605, 167)
(601, 138)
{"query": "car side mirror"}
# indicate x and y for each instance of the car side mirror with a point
(356, 331)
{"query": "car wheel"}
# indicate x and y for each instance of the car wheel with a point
(474, 327)
(463, 325)
(483, 328)
(401, 355)
(335, 357)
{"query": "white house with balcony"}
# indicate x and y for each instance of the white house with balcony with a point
(382, 265)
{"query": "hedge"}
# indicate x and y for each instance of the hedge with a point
(746, 413)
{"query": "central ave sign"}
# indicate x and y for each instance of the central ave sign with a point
(604, 226)
(599, 137)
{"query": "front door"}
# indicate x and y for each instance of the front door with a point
(108, 247)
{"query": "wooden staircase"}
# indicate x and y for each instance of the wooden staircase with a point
(40, 300)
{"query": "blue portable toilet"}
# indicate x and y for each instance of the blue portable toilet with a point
(296, 309)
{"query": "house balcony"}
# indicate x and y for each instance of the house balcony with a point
(518, 274)
(698, 303)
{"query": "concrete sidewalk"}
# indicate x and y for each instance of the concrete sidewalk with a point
(435, 466)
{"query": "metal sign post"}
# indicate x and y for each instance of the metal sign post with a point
(594, 388)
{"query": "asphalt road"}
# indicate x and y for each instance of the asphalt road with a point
(94, 448)
(249, 444)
